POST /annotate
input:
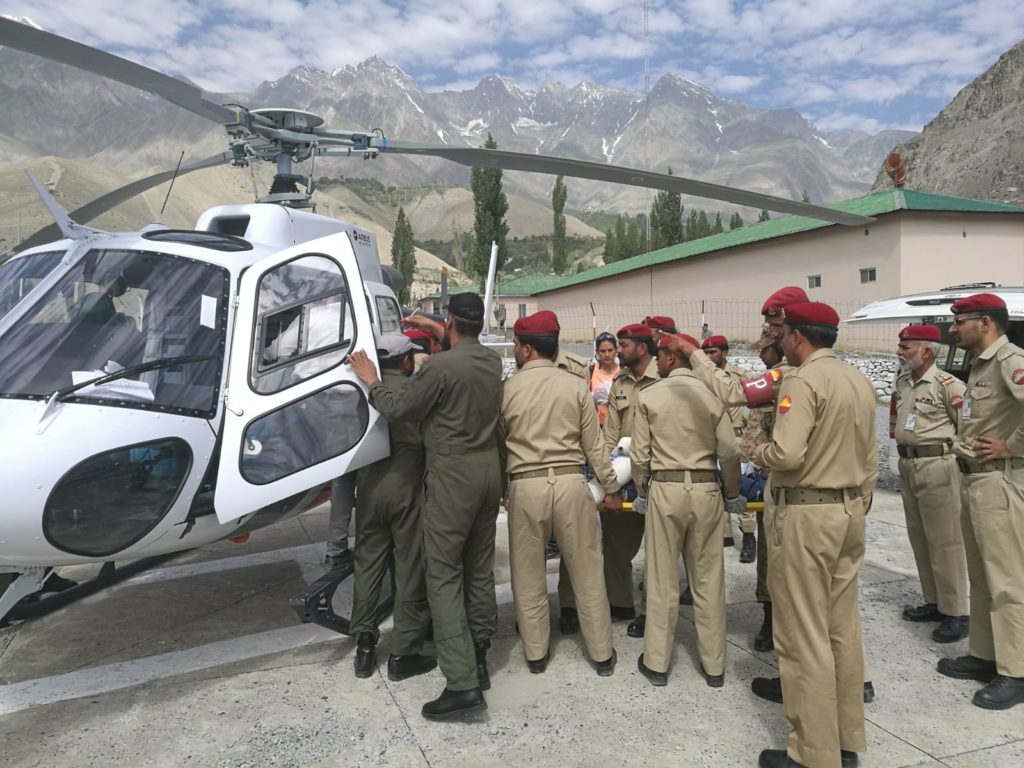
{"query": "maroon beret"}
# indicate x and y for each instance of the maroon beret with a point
(635, 331)
(791, 294)
(543, 323)
(661, 323)
(714, 341)
(977, 303)
(417, 334)
(811, 313)
(664, 341)
(920, 333)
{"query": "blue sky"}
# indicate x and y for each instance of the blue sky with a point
(857, 64)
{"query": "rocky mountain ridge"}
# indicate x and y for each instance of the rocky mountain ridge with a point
(55, 110)
(975, 146)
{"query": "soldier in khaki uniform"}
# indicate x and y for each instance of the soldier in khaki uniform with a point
(388, 533)
(624, 531)
(757, 422)
(716, 349)
(927, 405)
(680, 433)
(990, 454)
(824, 466)
(457, 396)
(549, 428)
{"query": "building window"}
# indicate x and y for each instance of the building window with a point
(814, 281)
(867, 275)
(522, 310)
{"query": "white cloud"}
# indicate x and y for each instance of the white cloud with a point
(849, 61)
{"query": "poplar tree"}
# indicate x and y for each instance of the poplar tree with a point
(559, 250)
(403, 254)
(489, 208)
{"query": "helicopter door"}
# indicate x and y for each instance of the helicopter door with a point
(296, 416)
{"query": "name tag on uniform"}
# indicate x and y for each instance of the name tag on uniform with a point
(911, 421)
(965, 409)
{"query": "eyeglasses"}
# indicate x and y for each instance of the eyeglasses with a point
(958, 321)
(601, 337)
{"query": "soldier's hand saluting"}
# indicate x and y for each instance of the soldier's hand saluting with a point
(677, 343)
(363, 367)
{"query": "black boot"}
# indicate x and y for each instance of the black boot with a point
(482, 675)
(636, 626)
(748, 550)
(777, 758)
(686, 597)
(968, 668)
(951, 629)
(402, 667)
(1002, 693)
(366, 654)
(454, 703)
(764, 642)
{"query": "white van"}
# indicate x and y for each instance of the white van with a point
(933, 308)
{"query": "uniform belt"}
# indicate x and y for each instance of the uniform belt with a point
(973, 467)
(685, 475)
(553, 471)
(813, 495)
(920, 451)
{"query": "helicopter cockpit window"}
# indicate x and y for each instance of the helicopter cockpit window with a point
(304, 323)
(20, 275)
(116, 310)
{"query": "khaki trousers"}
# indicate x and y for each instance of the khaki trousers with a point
(623, 535)
(931, 503)
(815, 552)
(993, 526)
(563, 505)
(685, 519)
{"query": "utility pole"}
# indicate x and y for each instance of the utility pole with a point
(647, 116)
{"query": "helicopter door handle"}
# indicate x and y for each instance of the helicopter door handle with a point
(227, 406)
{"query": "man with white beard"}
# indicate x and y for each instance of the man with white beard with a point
(927, 403)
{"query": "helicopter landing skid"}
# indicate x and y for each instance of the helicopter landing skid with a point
(14, 606)
(315, 604)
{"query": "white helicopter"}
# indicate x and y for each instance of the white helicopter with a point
(161, 389)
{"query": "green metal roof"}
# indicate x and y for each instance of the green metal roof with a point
(880, 203)
(525, 285)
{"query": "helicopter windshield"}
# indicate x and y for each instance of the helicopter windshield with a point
(119, 309)
(19, 276)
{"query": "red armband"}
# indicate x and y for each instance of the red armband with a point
(762, 389)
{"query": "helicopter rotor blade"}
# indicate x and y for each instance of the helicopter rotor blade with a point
(582, 169)
(104, 203)
(56, 48)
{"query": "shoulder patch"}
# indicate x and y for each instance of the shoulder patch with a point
(956, 401)
(1017, 376)
(785, 404)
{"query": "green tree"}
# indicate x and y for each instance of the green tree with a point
(717, 228)
(703, 225)
(559, 251)
(622, 252)
(634, 239)
(763, 216)
(489, 208)
(735, 221)
(611, 246)
(403, 254)
(667, 219)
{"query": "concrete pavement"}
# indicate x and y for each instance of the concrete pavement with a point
(202, 663)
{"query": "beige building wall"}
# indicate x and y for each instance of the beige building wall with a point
(943, 249)
(727, 288)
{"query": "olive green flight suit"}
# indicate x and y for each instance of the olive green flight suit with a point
(456, 394)
(823, 457)
(926, 416)
(388, 532)
(993, 506)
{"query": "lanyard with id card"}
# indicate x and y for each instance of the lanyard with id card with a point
(965, 409)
